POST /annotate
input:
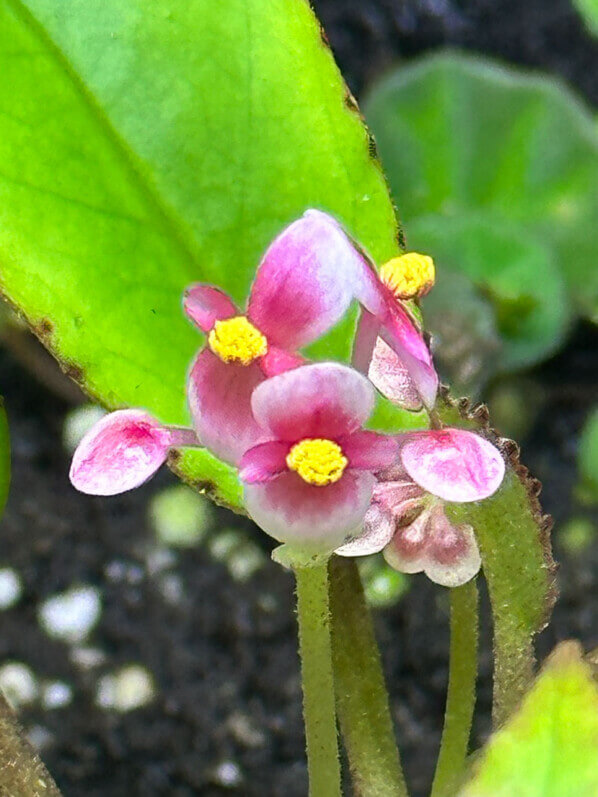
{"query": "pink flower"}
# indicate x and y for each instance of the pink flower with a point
(122, 451)
(312, 482)
(407, 519)
(304, 285)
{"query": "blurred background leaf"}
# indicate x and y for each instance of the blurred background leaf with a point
(589, 11)
(146, 146)
(459, 135)
(588, 459)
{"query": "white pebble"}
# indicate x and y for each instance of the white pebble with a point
(18, 683)
(71, 615)
(56, 694)
(87, 658)
(228, 774)
(126, 689)
(11, 587)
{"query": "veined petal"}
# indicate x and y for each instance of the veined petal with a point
(306, 281)
(220, 402)
(264, 462)
(319, 518)
(401, 334)
(370, 450)
(454, 464)
(406, 552)
(452, 553)
(120, 452)
(366, 336)
(390, 376)
(319, 400)
(204, 305)
(378, 530)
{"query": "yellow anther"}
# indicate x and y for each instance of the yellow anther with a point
(236, 340)
(318, 461)
(409, 275)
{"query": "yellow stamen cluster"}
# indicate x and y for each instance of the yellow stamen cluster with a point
(409, 276)
(318, 461)
(236, 340)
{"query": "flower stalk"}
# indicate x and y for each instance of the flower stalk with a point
(319, 711)
(362, 699)
(461, 696)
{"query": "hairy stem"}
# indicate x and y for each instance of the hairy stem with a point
(362, 699)
(318, 686)
(460, 701)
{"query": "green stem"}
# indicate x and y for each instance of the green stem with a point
(460, 701)
(318, 686)
(362, 699)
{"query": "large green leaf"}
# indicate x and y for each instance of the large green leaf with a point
(550, 747)
(146, 145)
(514, 542)
(460, 134)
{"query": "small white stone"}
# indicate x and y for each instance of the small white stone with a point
(71, 615)
(87, 658)
(126, 689)
(228, 774)
(39, 737)
(11, 587)
(56, 694)
(18, 683)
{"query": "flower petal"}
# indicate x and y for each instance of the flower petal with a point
(220, 402)
(453, 464)
(390, 376)
(277, 361)
(120, 452)
(264, 462)
(452, 553)
(401, 334)
(306, 281)
(366, 336)
(204, 305)
(370, 450)
(318, 518)
(406, 551)
(378, 530)
(319, 400)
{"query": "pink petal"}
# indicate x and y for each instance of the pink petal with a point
(205, 304)
(119, 453)
(406, 551)
(277, 361)
(306, 281)
(453, 464)
(220, 402)
(453, 557)
(447, 554)
(366, 336)
(401, 334)
(378, 529)
(370, 450)
(390, 376)
(318, 518)
(319, 400)
(264, 462)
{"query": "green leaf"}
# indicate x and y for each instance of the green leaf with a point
(587, 458)
(458, 134)
(513, 270)
(4, 457)
(145, 146)
(550, 747)
(514, 542)
(589, 11)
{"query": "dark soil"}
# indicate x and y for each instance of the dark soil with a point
(224, 656)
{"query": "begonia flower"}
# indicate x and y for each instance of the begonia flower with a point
(304, 285)
(312, 482)
(123, 450)
(407, 518)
